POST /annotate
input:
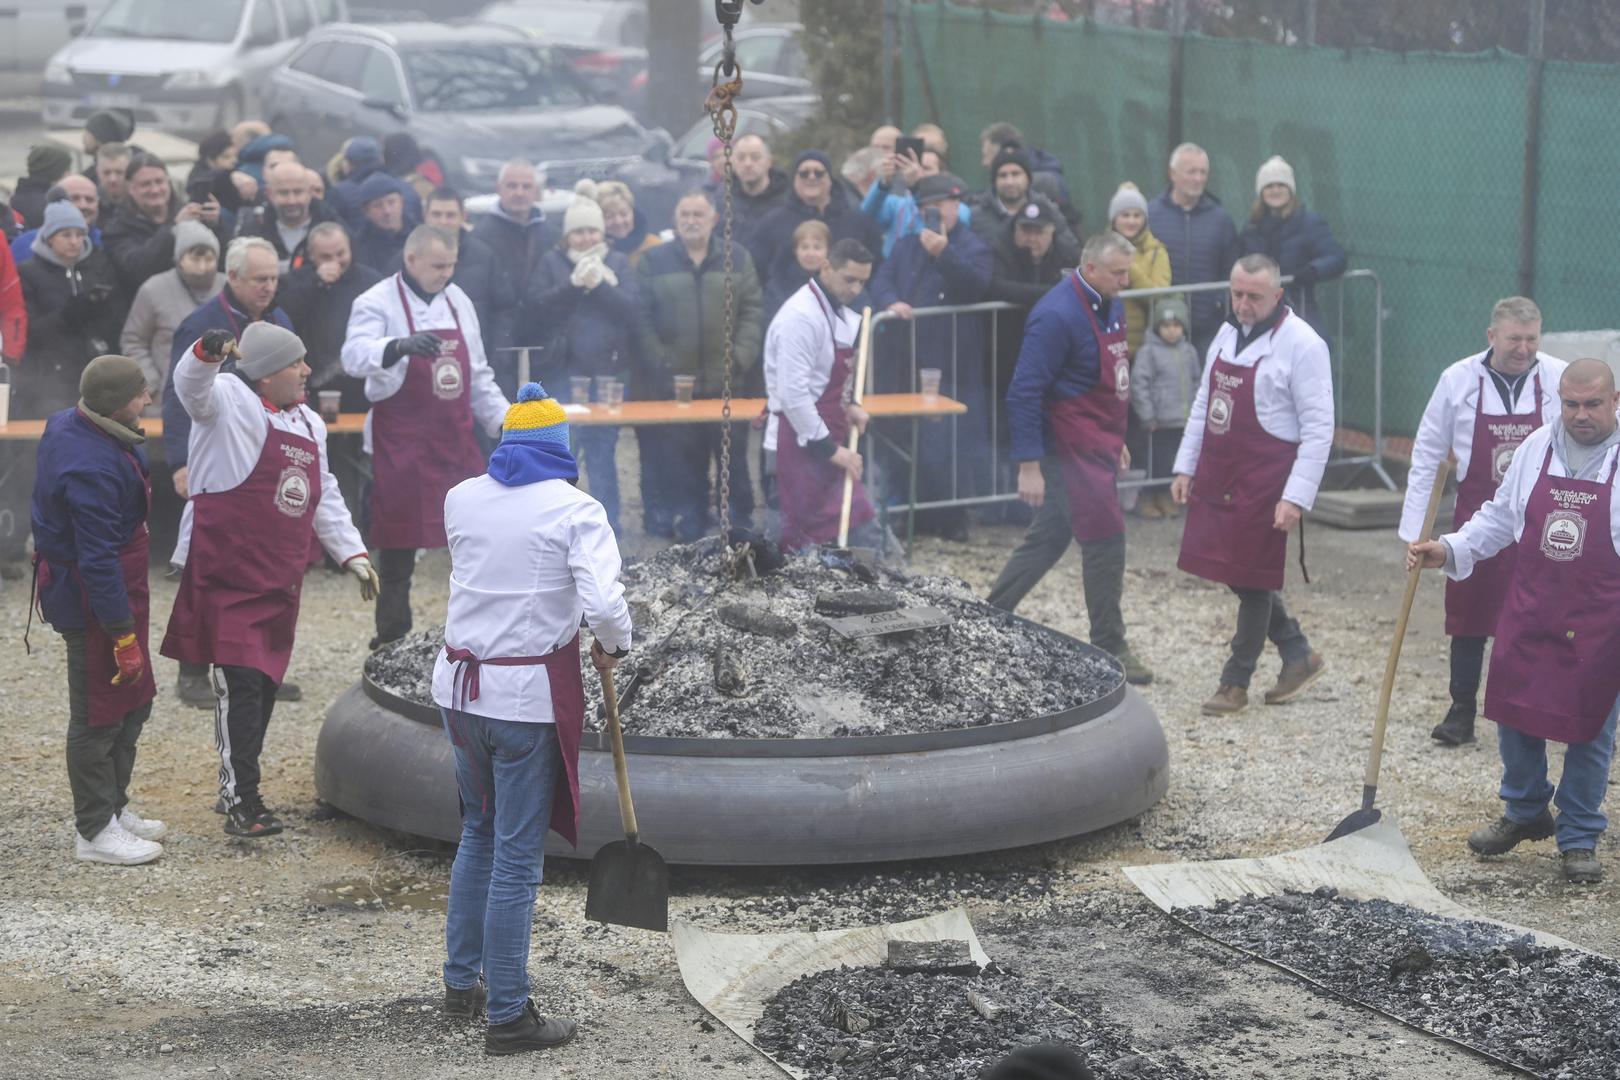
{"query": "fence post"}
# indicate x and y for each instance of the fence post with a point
(1178, 62)
(887, 70)
(1532, 149)
(1307, 22)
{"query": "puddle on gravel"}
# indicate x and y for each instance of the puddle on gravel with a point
(381, 894)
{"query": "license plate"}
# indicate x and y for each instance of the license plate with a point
(112, 101)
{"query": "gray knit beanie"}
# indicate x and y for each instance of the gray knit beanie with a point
(1128, 197)
(193, 234)
(267, 348)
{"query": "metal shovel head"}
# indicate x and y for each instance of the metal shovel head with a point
(1357, 821)
(629, 887)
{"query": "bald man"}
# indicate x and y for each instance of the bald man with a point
(1555, 668)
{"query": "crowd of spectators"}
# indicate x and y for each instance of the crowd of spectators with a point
(122, 258)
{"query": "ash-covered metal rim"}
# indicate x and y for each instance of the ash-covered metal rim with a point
(848, 746)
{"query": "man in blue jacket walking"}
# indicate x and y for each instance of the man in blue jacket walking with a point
(1067, 405)
(91, 493)
(1199, 235)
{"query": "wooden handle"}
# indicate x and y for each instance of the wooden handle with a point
(1376, 755)
(621, 769)
(861, 356)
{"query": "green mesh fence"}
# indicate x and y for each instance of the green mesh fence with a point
(1416, 161)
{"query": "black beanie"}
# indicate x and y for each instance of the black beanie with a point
(1012, 155)
(111, 125)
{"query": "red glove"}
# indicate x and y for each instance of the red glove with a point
(129, 658)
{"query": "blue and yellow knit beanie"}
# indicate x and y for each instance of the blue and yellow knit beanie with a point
(535, 417)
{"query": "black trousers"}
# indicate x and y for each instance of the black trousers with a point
(1467, 665)
(100, 760)
(692, 450)
(394, 569)
(1262, 617)
(243, 700)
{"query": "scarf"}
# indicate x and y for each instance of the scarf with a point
(129, 436)
(517, 463)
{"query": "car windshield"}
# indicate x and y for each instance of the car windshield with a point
(466, 78)
(173, 20)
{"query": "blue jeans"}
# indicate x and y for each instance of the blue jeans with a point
(506, 772)
(598, 448)
(1579, 796)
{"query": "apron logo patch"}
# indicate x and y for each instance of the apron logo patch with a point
(1563, 535)
(447, 378)
(1501, 459)
(292, 492)
(1122, 379)
(1220, 413)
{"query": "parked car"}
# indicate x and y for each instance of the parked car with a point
(31, 31)
(771, 118)
(605, 40)
(475, 94)
(186, 66)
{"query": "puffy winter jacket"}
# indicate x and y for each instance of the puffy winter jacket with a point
(771, 241)
(74, 315)
(13, 311)
(1304, 246)
(586, 331)
(684, 318)
(1150, 269)
(1203, 245)
(1164, 380)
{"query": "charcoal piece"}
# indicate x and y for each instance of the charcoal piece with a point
(753, 619)
(846, 1016)
(729, 676)
(951, 957)
(1417, 958)
(856, 602)
(984, 1006)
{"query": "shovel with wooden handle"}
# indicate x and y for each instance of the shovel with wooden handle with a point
(861, 356)
(629, 883)
(1369, 814)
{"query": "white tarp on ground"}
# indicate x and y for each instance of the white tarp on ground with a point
(733, 975)
(1372, 864)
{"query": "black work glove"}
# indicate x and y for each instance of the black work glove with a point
(215, 342)
(420, 344)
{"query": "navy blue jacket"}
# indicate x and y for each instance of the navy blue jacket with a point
(591, 332)
(210, 315)
(344, 197)
(1304, 246)
(1059, 360)
(1203, 245)
(88, 501)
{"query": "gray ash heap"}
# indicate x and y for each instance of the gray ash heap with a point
(1554, 1012)
(876, 1023)
(716, 657)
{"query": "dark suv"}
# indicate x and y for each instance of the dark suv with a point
(476, 94)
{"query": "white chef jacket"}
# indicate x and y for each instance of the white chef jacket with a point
(228, 426)
(1448, 425)
(799, 354)
(526, 563)
(1500, 522)
(1293, 400)
(376, 318)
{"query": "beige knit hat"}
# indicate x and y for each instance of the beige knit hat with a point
(1274, 171)
(583, 212)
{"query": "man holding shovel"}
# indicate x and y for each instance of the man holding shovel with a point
(1555, 670)
(530, 555)
(1480, 412)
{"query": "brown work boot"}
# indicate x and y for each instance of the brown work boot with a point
(1295, 677)
(1228, 700)
(1581, 866)
(1147, 506)
(1505, 834)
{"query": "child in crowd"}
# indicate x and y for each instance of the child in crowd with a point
(810, 243)
(1164, 381)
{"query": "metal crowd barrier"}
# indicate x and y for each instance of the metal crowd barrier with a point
(996, 309)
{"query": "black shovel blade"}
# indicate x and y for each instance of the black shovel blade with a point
(629, 887)
(1357, 821)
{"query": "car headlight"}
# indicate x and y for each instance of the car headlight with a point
(478, 168)
(58, 74)
(188, 80)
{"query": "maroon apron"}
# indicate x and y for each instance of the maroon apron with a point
(422, 442)
(1555, 668)
(1241, 473)
(567, 712)
(1473, 603)
(810, 490)
(238, 599)
(109, 704)
(1089, 430)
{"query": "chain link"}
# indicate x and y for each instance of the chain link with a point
(723, 113)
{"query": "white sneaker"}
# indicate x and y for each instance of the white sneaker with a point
(139, 827)
(115, 846)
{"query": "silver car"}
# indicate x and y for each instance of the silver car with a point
(186, 66)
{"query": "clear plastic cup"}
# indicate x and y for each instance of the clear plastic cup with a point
(331, 404)
(602, 382)
(579, 389)
(615, 395)
(928, 383)
(5, 403)
(684, 386)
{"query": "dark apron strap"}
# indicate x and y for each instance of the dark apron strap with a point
(1306, 574)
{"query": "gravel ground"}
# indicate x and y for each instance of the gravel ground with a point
(313, 954)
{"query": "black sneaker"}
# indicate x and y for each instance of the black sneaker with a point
(195, 690)
(1581, 866)
(289, 691)
(1457, 728)
(466, 1003)
(1505, 835)
(530, 1031)
(250, 818)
